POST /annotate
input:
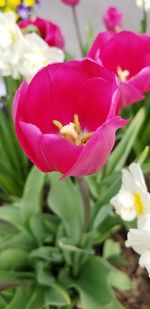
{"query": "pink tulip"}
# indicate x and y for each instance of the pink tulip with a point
(50, 32)
(113, 19)
(128, 55)
(65, 119)
(70, 2)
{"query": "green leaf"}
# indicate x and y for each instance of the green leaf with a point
(37, 299)
(120, 280)
(94, 287)
(2, 302)
(122, 150)
(31, 201)
(65, 200)
(10, 214)
(111, 248)
(21, 298)
(56, 296)
(13, 259)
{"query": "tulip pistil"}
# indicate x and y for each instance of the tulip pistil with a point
(138, 204)
(122, 74)
(72, 131)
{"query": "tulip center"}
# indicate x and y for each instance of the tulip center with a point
(73, 132)
(138, 203)
(122, 74)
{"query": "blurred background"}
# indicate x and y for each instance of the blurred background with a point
(87, 10)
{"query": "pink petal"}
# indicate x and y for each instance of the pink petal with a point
(97, 150)
(129, 94)
(54, 93)
(30, 138)
(100, 93)
(142, 80)
(59, 153)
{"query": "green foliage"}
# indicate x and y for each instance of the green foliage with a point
(13, 163)
(46, 256)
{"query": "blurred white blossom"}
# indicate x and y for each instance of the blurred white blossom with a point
(23, 55)
(133, 199)
(139, 240)
(146, 4)
(37, 54)
(11, 45)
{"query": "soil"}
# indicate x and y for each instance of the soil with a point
(139, 297)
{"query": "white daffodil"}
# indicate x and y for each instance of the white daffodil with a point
(139, 240)
(144, 261)
(133, 199)
(143, 3)
(36, 55)
(11, 44)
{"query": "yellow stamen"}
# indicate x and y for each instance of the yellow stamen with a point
(58, 124)
(122, 74)
(85, 137)
(77, 124)
(72, 131)
(138, 204)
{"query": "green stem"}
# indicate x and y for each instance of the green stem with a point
(144, 20)
(86, 200)
(77, 28)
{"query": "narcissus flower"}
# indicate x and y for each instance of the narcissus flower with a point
(36, 55)
(65, 119)
(118, 53)
(50, 32)
(139, 240)
(113, 19)
(70, 2)
(133, 199)
(11, 45)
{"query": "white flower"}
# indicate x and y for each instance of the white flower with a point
(133, 199)
(36, 55)
(144, 261)
(11, 40)
(139, 240)
(146, 4)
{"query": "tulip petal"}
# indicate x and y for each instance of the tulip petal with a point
(58, 87)
(30, 138)
(97, 150)
(129, 94)
(100, 92)
(141, 81)
(59, 152)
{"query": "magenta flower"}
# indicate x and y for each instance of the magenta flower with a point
(70, 2)
(128, 55)
(65, 119)
(112, 19)
(50, 32)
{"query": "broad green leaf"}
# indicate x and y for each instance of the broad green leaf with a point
(94, 287)
(2, 302)
(21, 298)
(122, 150)
(13, 259)
(37, 299)
(47, 254)
(56, 296)
(111, 248)
(120, 280)
(31, 200)
(22, 240)
(65, 200)
(10, 214)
